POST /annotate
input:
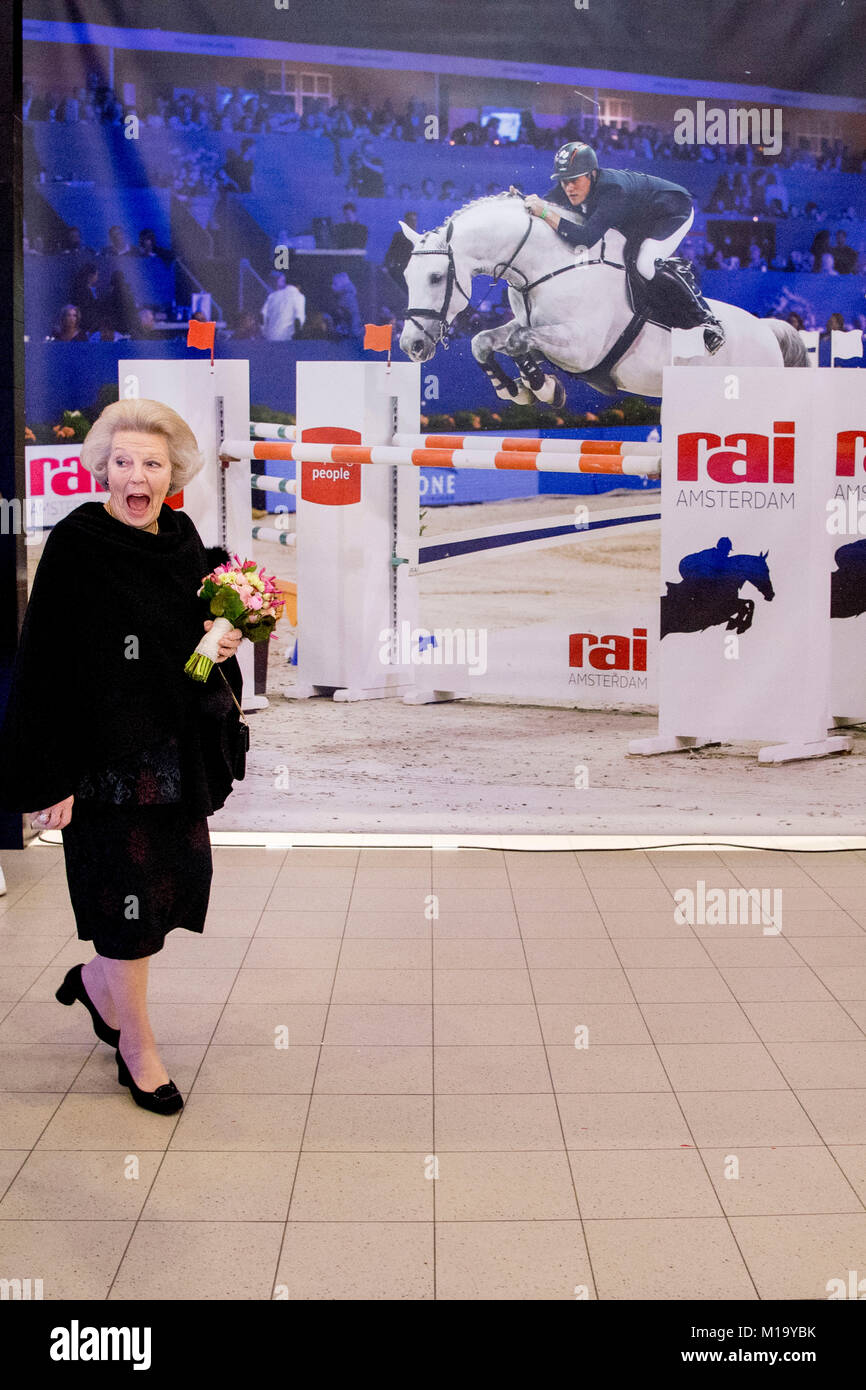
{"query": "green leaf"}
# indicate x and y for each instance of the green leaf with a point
(227, 604)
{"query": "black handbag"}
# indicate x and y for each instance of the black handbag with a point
(242, 740)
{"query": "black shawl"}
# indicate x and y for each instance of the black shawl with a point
(113, 615)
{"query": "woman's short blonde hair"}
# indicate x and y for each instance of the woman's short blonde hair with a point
(144, 417)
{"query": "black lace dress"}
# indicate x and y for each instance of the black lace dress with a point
(138, 861)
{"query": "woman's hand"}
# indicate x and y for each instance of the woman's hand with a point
(229, 642)
(53, 817)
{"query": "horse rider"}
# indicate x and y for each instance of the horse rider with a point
(653, 215)
(707, 564)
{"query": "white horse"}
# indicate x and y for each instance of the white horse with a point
(570, 307)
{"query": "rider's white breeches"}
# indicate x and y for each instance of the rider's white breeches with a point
(651, 250)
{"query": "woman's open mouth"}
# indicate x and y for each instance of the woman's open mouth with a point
(138, 503)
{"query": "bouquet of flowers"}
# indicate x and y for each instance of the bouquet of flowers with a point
(241, 595)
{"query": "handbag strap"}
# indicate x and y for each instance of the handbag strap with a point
(232, 693)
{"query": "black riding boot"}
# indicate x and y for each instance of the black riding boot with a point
(675, 288)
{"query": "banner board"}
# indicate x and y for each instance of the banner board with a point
(748, 465)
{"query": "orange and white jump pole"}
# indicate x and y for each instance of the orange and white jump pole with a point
(597, 461)
(521, 445)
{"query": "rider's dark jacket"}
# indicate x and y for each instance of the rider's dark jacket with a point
(638, 205)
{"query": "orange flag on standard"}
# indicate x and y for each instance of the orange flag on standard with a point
(377, 337)
(201, 335)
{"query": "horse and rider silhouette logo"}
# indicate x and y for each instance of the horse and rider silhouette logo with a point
(848, 581)
(709, 590)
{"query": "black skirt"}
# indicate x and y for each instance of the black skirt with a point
(136, 873)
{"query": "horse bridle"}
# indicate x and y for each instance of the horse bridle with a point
(441, 315)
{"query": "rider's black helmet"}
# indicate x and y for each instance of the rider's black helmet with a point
(572, 160)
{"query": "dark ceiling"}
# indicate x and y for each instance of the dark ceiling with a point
(804, 45)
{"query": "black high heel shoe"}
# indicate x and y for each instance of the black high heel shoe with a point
(72, 989)
(165, 1100)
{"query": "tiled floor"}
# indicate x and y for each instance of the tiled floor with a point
(385, 1097)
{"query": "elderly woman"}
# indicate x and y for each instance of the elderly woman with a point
(122, 751)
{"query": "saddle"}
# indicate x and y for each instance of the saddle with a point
(670, 300)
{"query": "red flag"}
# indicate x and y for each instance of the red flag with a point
(201, 335)
(377, 337)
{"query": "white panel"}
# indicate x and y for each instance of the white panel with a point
(772, 680)
(346, 584)
(602, 660)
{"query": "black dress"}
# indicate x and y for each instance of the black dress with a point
(151, 753)
(138, 861)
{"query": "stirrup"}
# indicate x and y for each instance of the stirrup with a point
(714, 336)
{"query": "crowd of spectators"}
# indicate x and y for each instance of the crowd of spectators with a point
(823, 256)
(343, 118)
(183, 112)
(218, 109)
(752, 183)
(764, 193)
(806, 318)
(649, 142)
(69, 243)
(100, 305)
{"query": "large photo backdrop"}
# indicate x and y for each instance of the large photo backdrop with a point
(250, 172)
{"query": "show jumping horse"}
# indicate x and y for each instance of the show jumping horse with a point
(572, 309)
